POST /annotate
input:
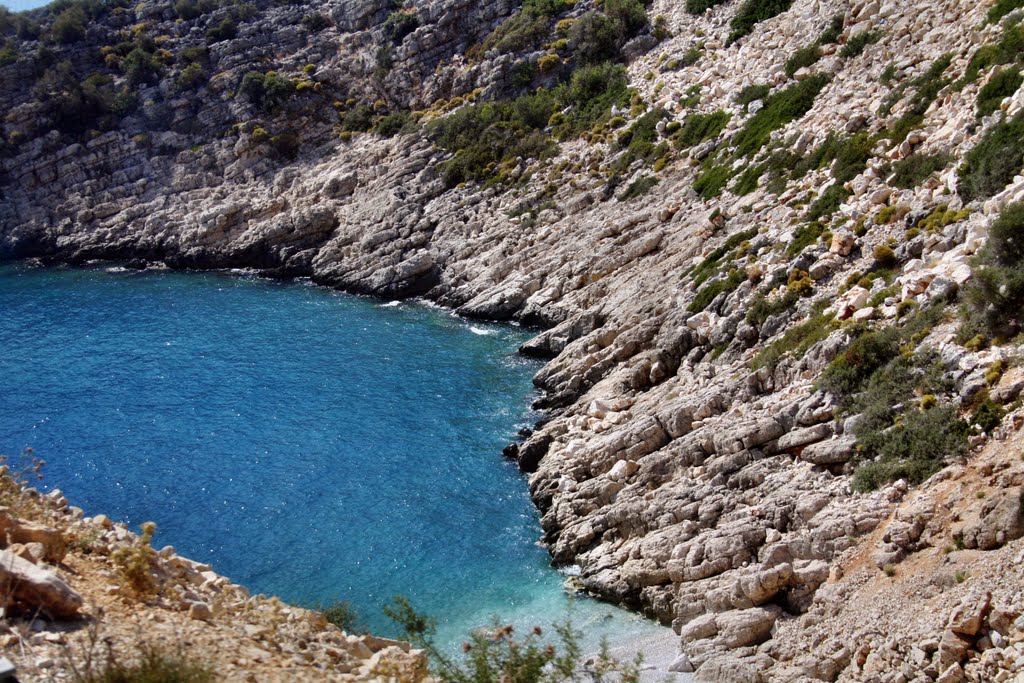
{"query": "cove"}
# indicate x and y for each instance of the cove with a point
(306, 443)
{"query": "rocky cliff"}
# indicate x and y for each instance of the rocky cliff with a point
(777, 340)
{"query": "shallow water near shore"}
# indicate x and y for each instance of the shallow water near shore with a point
(308, 444)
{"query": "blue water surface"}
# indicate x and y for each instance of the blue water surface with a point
(308, 444)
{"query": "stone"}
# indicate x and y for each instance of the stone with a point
(34, 590)
(967, 618)
(681, 664)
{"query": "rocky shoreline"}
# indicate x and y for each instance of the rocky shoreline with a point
(690, 461)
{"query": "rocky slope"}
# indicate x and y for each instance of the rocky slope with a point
(762, 206)
(81, 593)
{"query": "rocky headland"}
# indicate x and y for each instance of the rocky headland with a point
(771, 246)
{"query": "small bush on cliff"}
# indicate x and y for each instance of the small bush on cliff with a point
(856, 45)
(141, 67)
(1002, 84)
(496, 654)
(993, 162)
(69, 26)
(400, 24)
(1002, 8)
(268, 90)
(752, 12)
(992, 302)
(802, 58)
(189, 77)
(134, 562)
(344, 615)
(700, 6)
(225, 30)
(910, 172)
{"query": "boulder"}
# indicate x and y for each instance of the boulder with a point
(30, 589)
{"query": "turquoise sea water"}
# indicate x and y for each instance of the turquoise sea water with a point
(308, 444)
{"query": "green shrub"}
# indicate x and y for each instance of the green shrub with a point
(856, 45)
(487, 137)
(712, 180)
(134, 563)
(149, 664)
(344, 615)
(828, 203)
(1003, 7)
(992, 300)
(804, 236)
(69, 26)
(189, 77)
(141, 67)
(522, 30)
(267, 90)
(699, 6)
(910, 172)
(752, 12)
(700, 127)
(993, 162)
(1002, 84)
(359, 119)
(594, 38)
(630, 17)
(225, 30)
(763, 308)
(710, 292)
(752, 93)
(193, 55)
(779, 109)
(914, 449)
(400, 24)
(988, 414)
(884, 256)
(1006, 51)
(190, 9)
(710, 265)
(315, 22)
(834, 30)
(849, 372)
(8, 54)
(638, 188)
(802, 58)
(393, 124)
(797, 340)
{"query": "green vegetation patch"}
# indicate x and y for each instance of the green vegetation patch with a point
(710, 291)
(779, 109)
(798, 339)
(638, 188)
(752, 12)
(699, 6)
(992, 301)
(856, 45)
(267, 90)
(1002, 8)
(828, 203)
(1002, 84)
(700, 127)
(910, 172)
(804, 236)
(803, 58)
(487, 138)
(993, 162)
(710, 265)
